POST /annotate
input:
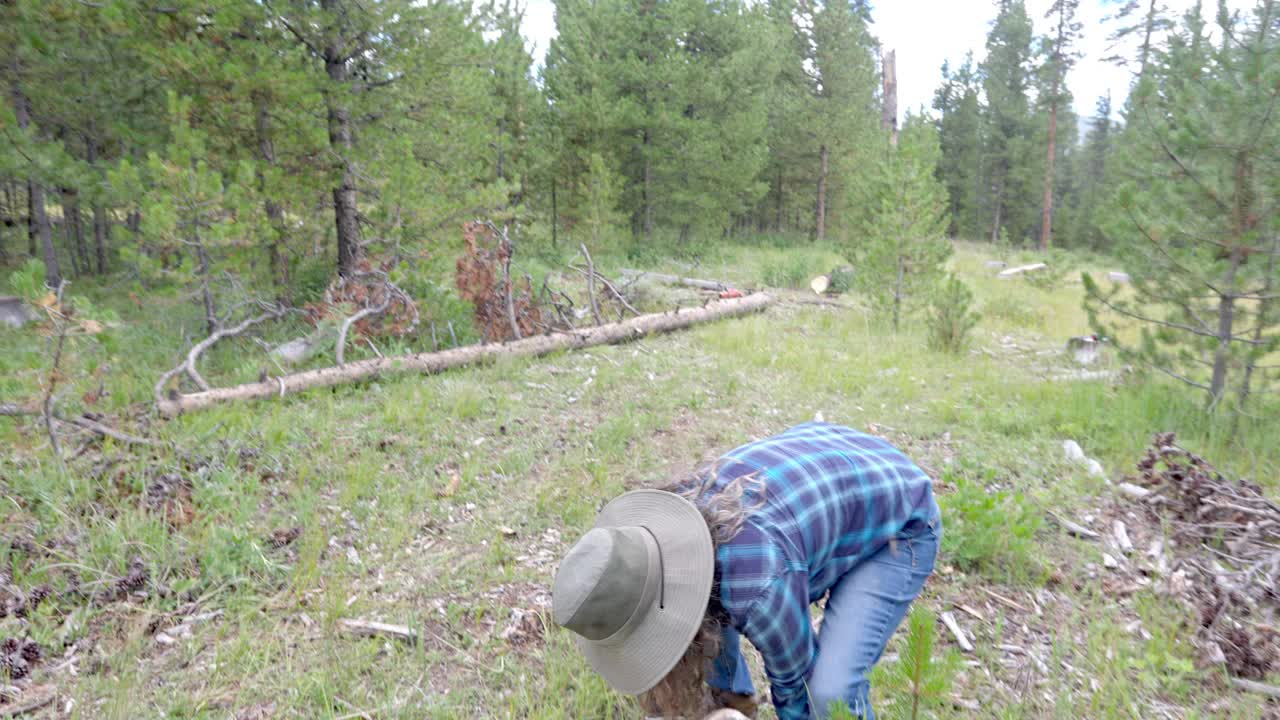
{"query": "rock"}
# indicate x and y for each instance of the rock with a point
(820, 284)
(1109, 562)
(1073, 451)
(1116, 276)
(1094, 468)
(294, 351)
(14, 312)
(1010, 272)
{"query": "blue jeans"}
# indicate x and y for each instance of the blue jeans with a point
(862, 611)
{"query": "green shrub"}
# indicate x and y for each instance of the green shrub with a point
(1013, 310)
(841, 280)
(990, 532)
(951, 317)
(792, 270)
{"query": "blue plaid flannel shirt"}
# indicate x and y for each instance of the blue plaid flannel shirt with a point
(832, 498)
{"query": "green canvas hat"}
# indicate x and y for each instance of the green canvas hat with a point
(634, 589)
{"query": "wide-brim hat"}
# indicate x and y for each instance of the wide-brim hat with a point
(635, 588)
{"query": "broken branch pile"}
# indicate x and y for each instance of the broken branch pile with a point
(1226, 536)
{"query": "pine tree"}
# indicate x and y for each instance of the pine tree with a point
(1009, 134)
(960, 166)
(1196, 218)
(1061, 57)
(900, 254)
(1092, 174)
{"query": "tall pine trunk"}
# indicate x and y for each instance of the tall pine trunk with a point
(777, 216)
(74, 232)
(1226, 322)
(555, 215)
(279, 264)
(820, 219)
(1262, 314)
(99, 213)
(1046, 214)
(345, 212)
(648, 189)
(999, 212)
(37, 219)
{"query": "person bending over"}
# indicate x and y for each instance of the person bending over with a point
(662, 588)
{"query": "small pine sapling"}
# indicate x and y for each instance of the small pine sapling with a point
(918, 683)
(951, 317)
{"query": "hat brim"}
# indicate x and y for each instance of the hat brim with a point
(636, 662)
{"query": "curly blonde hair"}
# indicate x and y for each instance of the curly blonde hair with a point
(684, 690)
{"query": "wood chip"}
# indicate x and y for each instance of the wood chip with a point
(1076, 529)
(1000, 598)
(1133, 491)
(1122, 536)
(950, 621)
(971, 611)
(370, 628)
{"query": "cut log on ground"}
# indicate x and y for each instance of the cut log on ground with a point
(1010, 272)
(434, 362)
(714, 285)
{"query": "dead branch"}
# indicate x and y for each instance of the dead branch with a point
(12, 410)
(591, 283)
(613, 289)
(714, 285)
(1079, 531)
(346, 325)
(1256, 687)
(435, 362)
(370, 628)
(189, 365)
(47, 406)
(950, 621)
(505, 251)
(27, 707)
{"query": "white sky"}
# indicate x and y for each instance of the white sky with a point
(926, 32)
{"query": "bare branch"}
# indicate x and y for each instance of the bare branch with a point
(346, 325)
(591, 283)
(189, 365)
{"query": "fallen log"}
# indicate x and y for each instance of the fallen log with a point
(714, 285)
(434, 362)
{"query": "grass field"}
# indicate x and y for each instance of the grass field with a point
(444, 502)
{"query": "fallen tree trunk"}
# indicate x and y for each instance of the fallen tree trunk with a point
(434, 362)
(714, 285)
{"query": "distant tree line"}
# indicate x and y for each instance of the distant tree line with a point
(284, 143)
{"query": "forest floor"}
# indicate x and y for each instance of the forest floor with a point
(213, 582)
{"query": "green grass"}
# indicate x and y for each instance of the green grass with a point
(366, 474)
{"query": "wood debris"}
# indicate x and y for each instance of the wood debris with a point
(950, 621)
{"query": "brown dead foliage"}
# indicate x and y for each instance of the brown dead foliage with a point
(1225, 538)
(483, 278)
(367, 287)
